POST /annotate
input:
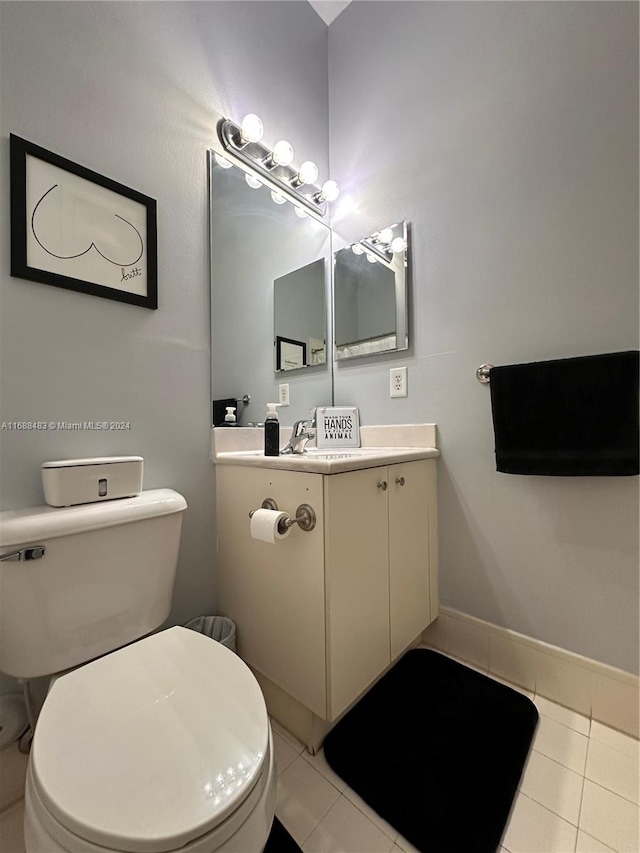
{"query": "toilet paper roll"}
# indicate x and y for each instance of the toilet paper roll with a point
(264, 525)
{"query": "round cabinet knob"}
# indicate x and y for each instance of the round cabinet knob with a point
(400, 481)
(383, 485)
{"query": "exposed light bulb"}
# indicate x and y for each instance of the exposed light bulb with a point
(371, 258)
(253, 182)
(222, 161)
(398, 244)
(307, 173)
(251, 128)
(357, 249)
(300, 212)
(282, 153)
(279, 199)
(330, 191)
(386, 235)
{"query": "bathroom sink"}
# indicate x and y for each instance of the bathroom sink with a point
(327, 460)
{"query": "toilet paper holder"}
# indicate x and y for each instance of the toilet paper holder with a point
(305, 516)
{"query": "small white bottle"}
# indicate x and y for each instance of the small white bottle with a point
(230, 417)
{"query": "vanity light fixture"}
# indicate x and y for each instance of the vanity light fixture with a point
(282, 154)
(251, 129)
(254, 183)
(307, 174)
(277, 197)
(297, 185)
(330, 191)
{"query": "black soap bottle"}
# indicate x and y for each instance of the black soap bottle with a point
(271, 431)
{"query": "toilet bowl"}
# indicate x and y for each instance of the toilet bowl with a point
(160, 747)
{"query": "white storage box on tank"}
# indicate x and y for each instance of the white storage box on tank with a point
(67, 482)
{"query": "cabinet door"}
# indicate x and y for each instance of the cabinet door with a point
(274, 592)
(409, 566)
(357, 579)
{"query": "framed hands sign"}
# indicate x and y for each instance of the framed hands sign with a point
(74, 228)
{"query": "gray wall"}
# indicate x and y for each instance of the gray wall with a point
(133, 91)
(507, 133)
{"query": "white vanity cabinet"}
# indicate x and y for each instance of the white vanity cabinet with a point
(323, 613)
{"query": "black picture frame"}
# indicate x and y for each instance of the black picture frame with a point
(71, 236)
(287, 347)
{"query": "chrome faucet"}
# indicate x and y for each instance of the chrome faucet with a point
(300, 435)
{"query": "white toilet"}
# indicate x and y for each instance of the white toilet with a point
(157, 746)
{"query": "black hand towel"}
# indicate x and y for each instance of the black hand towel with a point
(570, 417)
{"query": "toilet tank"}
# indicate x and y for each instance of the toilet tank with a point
(105, 579)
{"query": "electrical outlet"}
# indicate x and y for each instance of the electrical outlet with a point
(283, 394)
(398, 382)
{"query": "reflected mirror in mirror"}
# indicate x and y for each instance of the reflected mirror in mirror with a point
(300, 317)
(370, 294)
(259, 249)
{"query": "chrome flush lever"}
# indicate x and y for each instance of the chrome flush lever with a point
(35, 553)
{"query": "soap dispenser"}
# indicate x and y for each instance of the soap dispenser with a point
(230, 417)
(272, 431)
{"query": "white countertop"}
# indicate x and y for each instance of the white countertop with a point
(382, 445)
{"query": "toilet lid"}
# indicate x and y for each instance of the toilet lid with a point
(153, 745)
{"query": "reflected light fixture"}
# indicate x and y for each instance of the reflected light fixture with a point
(222, 161)
(243, 142)
(277, 197)
(253, 182)
(383, 244)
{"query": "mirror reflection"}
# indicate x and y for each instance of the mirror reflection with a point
(370, 294)
(300, 317)
(259, 249)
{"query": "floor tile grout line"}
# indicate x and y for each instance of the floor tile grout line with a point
(547, 809)
(615, 793)
(580, 808)
(559, 763)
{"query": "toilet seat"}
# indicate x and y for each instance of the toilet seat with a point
(151, 747)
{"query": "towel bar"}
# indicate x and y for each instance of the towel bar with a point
(482, 374)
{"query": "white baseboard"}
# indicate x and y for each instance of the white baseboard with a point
(600, 692)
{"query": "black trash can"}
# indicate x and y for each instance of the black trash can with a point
(219, 628)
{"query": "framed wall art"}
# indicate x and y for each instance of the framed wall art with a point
(74, 228)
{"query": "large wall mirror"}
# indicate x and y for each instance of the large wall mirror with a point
(273, 282)
(270, 288)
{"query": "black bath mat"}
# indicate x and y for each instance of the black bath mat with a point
(280, 841)
(437, 749)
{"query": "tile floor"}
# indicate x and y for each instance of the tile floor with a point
(578, 794)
